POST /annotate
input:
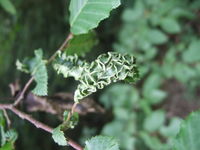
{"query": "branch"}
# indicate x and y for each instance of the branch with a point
(71, 112)
(62, 47)
(33, 121)
(21, 95)
(36, 123)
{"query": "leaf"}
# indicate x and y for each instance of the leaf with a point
(156, 96)
(3, 138)
(37, 68)
(172, 129)
(22, 67)
(81, 44)
(156, 37)
(2, 120)
(183, 72)
(8, 146)
(107, 68)
(71, 123)
(191, 55)
(131, 15)
(170, 25)
(101, 143)
(152, 82)
(59, 137)
(123, 132)
(8, 6)
(86, 14)
(154, 121)
(11, 135)
(188, 137)
(153, 142)
(7, 138)
(120, 95)
(39, 72)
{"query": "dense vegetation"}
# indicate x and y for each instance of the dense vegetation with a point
(60, 61)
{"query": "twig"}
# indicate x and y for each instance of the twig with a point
(73, 107)
(62, 47)
(74, 145)
(36, 123)
(21, 95)
(22, 115)
(71, 112)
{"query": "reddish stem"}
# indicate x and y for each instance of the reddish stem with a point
(36, 123)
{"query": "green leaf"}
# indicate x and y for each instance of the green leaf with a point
(11, 135)
(156, 37)
(2, 126)
(120, 95)
(151, 89)
(188, 137)
(156, 96)
(8, 6)
(154, 81)
(22, 67)
(59, 137)
(86, 14)
(37, 68)
(153, 142)
(39, 72)
(122, 131)
(131, 15)
(170, 25)
(7, 138)
(172, 129)
(154, 121)
(102, 143)
(107, 68)
(71, 123)
(81, 44)
(3, 138)
(2, 120)
(8, 146)
(183, 72)
(191, 55)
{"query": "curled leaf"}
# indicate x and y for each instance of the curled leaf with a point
(37, 68)
(107, 68)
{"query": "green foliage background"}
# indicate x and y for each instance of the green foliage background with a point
(162, 34)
